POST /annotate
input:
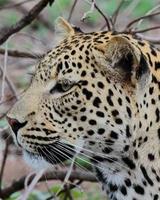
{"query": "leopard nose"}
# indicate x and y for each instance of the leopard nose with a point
(15, 124)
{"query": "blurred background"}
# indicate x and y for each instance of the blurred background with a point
(20, 52)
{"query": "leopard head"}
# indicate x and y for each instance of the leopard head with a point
(83, 96)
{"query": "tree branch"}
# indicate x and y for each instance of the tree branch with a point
(26, 20)
(72, 9)
(13, 5)
(94, 5)
(103, 15)
(139, 18)
(54, 175)
(40, 18)
(20, 54)
(6, 135)
(145, 30)
(10, 84)
(153, 40)
(3, 163)
(116, 13)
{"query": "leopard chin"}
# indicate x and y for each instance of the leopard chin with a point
(35, 161)
(49, 155)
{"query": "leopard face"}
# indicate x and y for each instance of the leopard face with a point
(95, 91)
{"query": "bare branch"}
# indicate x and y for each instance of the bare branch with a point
(10, 84)
(12, 5)
(150, 39)
(104, 16)
(31, 186)
(3, 162)
(70, 187)
(54, 175)
(148, 13)
(67, 192)
(116, 13)
(89, 11)
(26, 20)
(145, 30)
(72, 9)
(5, 135)
(140, 18)
(20, 54)
(94, 5)
(40, 18)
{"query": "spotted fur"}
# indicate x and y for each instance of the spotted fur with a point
(102, 88)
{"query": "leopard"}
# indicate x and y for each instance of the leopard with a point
(96, 94)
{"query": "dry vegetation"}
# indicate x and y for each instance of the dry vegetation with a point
(27, 32)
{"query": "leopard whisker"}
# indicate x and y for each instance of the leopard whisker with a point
(87, 150)
(92, 164)
(99, 154)
(66, 156)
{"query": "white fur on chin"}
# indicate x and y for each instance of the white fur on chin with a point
(36, 162)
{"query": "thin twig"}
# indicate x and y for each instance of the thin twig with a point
(116, 13)
(67, 192)
(150, 39)
(8, 99)
(140, 18)
(10, 84)
(54, 175)
(131, 7)
(149, 12)
(4, 71)
(31, 186)
(104, 16)
(85, 15)
(145, 30)
(72, 9)
(13, 5)
(5, 134)
(70, 187)
(94, 5)
(26, 20)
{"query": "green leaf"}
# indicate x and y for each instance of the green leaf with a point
(3, 123)
(14, 196)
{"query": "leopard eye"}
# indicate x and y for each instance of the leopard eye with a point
(62, 86)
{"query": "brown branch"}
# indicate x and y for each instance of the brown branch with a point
(72, 9)
(40, 18)
(3, 163)
(20, 54)
(26, 20)
(54, 175)
(150, 39)
(12, 5)
(70, 186)
(116, 13)
(5, 135)
(145, 30)
(103, 15)
(67, 193)
(139, 18)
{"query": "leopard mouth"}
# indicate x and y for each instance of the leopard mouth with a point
(54, 153)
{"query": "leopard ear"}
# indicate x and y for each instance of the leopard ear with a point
(64, 27)
(121, 56)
